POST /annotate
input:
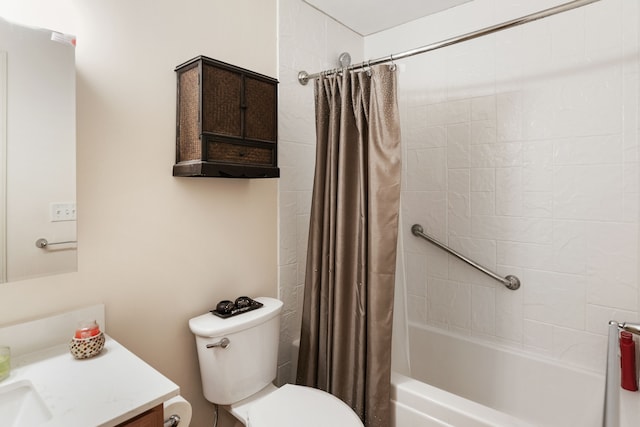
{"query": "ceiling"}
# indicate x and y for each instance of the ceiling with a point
(366, 17)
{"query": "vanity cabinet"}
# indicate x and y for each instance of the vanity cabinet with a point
(226, 123)
(151, 418)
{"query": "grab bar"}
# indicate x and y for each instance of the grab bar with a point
(43, 243)
(511, 282)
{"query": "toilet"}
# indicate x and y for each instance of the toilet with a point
(238, 359)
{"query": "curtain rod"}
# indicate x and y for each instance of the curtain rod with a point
(304, 77)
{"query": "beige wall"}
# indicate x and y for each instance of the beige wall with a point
(156, 250)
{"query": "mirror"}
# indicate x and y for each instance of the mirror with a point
(37, 152)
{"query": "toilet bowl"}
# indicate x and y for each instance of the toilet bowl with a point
(238, 362)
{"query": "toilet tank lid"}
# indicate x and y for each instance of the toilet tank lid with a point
(210, 325)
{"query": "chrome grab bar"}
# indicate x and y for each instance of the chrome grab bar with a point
(511, 282)
(43, 243)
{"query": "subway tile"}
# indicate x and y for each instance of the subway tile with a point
(287, 234)
(496, 155)
(631, 177)
(417, 309)
(483, 203)
(554, 298)
(589, 192)
(537, 204)
(537, 162)
(457, 111)
(570, 250)
(531, 230)
(509, 191)
(631, 115)
(631, 211)
(589, 103)
(579, 348)
(458, 181)
(538, 335)
(417, 115)
(588, 150)
(528, 255)
(483, 309)
(509, 313)
(483, 132)
(483, 108)
(458, 140)
(612, 265)
(483, 179)
(449, 303)
(426, 169)
(303, 202)
(459, 214)
(302, 237)
(436, 114)
(426, 137)
(416, 274)
(288, 279)
(509, 117)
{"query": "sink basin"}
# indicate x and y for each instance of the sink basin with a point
(21, 405)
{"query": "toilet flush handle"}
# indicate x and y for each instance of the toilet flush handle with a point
(224, 343)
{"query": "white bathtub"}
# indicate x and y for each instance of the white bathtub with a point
(460, 382)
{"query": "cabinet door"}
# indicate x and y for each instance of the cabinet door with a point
(260, 113)
(221, 98)
(152, 418)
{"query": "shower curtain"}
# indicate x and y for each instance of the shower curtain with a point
(345, 343)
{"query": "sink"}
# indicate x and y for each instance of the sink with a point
(21, 405)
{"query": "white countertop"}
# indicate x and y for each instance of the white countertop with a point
(104, 390)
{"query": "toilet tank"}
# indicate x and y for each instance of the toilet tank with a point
(249, 362)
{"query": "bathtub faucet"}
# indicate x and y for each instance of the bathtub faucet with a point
(634, 328)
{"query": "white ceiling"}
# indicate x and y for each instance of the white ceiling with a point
(371, 16)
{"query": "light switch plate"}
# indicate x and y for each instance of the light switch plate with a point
(62, 212)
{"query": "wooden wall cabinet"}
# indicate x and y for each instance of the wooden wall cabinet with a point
(227, 121)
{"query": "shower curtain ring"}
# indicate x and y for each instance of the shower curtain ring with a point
(369, 68)
(392, 67)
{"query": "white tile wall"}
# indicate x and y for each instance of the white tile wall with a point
(522, 152)
(310, 41)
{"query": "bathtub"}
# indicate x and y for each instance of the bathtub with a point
(458, 381)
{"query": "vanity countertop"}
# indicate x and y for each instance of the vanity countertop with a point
(104, 390)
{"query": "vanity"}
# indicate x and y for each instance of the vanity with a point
(48, 387)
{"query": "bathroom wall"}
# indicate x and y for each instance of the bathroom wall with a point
(157, 250)
(307, 40)
(521, 151)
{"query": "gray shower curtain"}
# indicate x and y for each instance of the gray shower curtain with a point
(345, 343)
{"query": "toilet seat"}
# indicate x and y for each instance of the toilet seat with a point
(295, 406)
